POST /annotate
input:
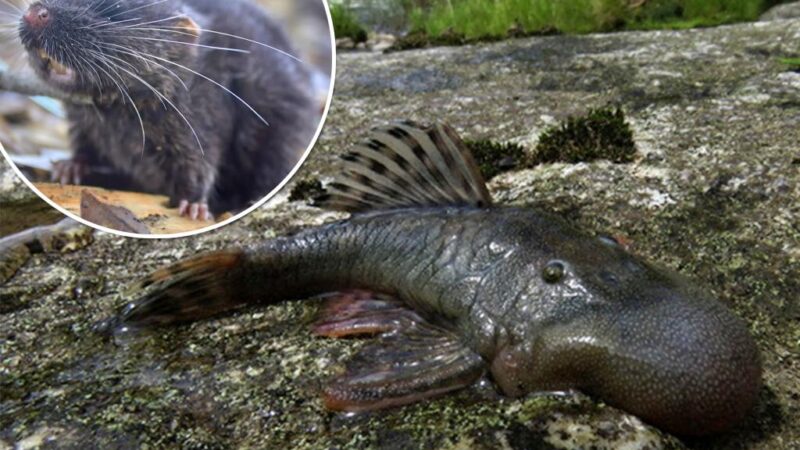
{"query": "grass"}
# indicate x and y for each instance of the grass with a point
(345, 24)
(471, 20)
(793, 63)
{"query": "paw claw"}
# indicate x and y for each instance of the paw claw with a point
(68, 172)
(183, 208)
(194, 211)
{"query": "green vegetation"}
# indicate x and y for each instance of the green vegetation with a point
(793, 63)
(306, 189)
(345, 24)
(494, 158)
(601, 134)
(457, 21)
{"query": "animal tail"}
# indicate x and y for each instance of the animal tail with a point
(192, 289)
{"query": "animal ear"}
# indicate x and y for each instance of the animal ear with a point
(186, 29)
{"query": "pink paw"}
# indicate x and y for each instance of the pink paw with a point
(194, 211)
(68, 172)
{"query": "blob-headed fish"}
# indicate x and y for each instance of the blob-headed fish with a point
(455, 285)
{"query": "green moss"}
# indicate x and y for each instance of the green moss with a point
(793, 63)
(306, 189)
(422, 39)
(601, 134)
(494, 158)
(345, 24)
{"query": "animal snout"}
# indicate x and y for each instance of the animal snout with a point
(37, 16)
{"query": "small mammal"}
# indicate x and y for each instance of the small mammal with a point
(199, 100)
(457, 286)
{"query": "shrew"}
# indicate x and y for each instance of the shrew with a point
(199, 100)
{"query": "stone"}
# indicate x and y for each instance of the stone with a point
(780, 12)
(712, 193)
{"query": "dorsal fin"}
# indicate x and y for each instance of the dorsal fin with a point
(407, 165)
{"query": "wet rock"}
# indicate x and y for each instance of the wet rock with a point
(712, 193)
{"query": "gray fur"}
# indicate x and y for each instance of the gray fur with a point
(242, 159)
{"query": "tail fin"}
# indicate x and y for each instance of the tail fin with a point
(188, 290)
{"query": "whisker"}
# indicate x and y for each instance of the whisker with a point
(107, 8)
(127, 95)
(13, 6)
(241, 100)
(108, 24)
(151, 22)
(170, 102)
(202, 30)
(134, 53)
(138, 8)
(102, 55)
(210, 47)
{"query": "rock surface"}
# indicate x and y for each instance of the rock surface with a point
(713, 194)
(785, 11)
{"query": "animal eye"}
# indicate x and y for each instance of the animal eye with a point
(553, 272)
(608, 277)
(608, 240)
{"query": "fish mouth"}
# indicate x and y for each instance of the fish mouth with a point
(54, 70)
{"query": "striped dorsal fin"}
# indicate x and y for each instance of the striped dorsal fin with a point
(407, 165)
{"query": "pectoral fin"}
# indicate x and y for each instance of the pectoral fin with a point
(410, 361)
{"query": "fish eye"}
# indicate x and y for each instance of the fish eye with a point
(608, 277)
(608, 240)
(553, 272)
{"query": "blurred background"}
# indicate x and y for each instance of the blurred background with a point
(418, 23)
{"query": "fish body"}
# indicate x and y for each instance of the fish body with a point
(455, 290)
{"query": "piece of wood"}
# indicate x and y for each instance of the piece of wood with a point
(111, 216)
(29, 84)
(152, 210)
(64, 236)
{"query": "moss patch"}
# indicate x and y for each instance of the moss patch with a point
(601, 134)
(494, 158)
(306, 189)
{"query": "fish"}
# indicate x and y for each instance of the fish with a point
(451, 287)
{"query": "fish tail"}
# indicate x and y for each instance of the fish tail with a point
(192, 289)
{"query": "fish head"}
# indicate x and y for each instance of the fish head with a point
(640, 338)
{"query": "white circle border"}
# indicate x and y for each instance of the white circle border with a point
(226, 222)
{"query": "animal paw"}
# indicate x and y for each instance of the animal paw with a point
(68, 172)
(194, 210)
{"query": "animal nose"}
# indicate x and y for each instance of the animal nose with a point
(37, 16)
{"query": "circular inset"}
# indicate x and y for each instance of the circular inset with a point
(182, 115)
